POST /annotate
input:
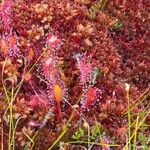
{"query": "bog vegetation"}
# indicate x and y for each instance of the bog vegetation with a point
(74, 74)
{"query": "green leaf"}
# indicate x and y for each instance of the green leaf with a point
(95, 132)
(142, 138)
(94, 76)
(78, 134)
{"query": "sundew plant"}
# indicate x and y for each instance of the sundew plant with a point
(74, 74)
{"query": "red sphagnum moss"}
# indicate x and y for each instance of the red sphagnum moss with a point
(64, 56)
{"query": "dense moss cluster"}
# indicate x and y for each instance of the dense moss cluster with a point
(89, 50)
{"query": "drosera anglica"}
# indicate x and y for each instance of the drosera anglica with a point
(13, 44)
(5, 14)
(84, 67)
(38, 101)
(90, 96)
(45, 67)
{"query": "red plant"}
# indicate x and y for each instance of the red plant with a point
(38, 101)
(9, 45)
(57, 93)
(5, 15)
(91, 96)
(46, 67)
(84, 67)
(116, 42)
(58, 98)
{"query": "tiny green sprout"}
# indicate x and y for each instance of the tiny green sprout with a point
(96, 8)
(95, 132)
(117, 25)
(143, 139)
(78, 134)
(94, 76)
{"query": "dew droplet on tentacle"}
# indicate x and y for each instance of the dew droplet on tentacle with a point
(38, 101)
(84, 67)
(90, 97)
(45, 68)
(13, 45)
(6, 16)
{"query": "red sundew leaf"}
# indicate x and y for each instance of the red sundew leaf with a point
(90, 96)
(47, 68)
(37, 101)
(32, 103)
(85, 68)
(5, 12)
(13, 45)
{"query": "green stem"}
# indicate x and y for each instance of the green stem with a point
(129, 122)
(93, 143)
(63, 132)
